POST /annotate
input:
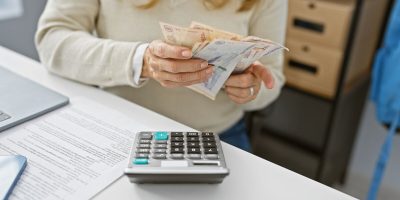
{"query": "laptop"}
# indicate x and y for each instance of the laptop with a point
(22, 99)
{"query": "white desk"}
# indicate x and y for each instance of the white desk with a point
(251, 177)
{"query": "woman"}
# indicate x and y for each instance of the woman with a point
(115, 45)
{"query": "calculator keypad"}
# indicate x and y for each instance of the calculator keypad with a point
(159, 146)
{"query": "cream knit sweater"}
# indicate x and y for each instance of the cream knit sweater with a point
(94, 41)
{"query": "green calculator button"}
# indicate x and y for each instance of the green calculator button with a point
(161, 135)
(141, 161)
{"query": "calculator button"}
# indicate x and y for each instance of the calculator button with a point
(177, 150)
(160, 141)
(208, 139)
(146, 135)
(141, 161)
(209, 145)
(177, 144)
(143, 151)
(193, 144)
(192, 134)
(193, 150)
(145, 141)
(194, 156)
(211, 156)
(176, 134)
(207, 134)
(177, 139)
(177, 156)
(142, 155)
(210, 150)
(144, 146)
(160, 146)
(193, 139)
(160, 150)
(160, 156)
(161, 135)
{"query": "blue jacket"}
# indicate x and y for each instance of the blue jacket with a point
(386, 72)
(386, 92)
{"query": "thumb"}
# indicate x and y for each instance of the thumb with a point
(265, 75)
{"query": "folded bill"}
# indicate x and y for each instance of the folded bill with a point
(228, 52)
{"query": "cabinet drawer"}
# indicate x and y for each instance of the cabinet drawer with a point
(286, 155)
(313, 68)
(324, 22)
(300, 118)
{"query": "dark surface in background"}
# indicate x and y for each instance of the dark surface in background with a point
(18, 33)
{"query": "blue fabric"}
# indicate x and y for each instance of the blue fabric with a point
(382, 161)
(386, 73)
(237, 136)
(386, 92)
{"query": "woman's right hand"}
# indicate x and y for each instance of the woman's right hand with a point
(172, 66)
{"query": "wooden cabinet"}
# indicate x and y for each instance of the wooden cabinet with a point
(325, 22)
(318, 36)
(311, 128)
(312, 67)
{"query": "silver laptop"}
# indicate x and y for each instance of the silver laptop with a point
(22, 99)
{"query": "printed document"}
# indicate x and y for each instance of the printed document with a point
(73, 152)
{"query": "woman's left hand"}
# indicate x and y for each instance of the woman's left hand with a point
(244, 87)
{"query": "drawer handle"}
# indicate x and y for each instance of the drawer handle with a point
(307, 68)
(311, 6)
(312, 26)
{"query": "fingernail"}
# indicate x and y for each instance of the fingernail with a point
(187, 53)
(204, 64)
(210, 70)
(271, 85)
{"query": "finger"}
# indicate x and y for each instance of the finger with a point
(244, 80)
(238, 92)
(264, 74)
(240, 100)
(179, 66)
(172, 84)
(164, 50)
(243, 92)
(200, 76)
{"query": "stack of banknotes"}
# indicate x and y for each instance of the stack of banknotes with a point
(228, 52)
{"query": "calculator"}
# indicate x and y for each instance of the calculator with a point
(176, 157)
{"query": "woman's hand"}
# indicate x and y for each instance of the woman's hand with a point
(173, 67)
(242, 88)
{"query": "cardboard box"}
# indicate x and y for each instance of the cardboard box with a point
(323, 22)
(313, 68)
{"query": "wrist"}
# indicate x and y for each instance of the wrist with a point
(146, 66)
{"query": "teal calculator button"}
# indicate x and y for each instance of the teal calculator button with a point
(161, 135)
(141, 161)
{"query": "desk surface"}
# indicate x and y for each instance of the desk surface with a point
(251, 177)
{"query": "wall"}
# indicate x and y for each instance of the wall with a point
(18, 33)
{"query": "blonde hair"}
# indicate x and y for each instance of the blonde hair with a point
(210, 4)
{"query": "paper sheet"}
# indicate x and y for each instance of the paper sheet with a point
(73, 153)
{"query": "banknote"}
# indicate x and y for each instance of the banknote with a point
(183, 36)
(216, 33)
(227, 52)
(260, 49)
(229, 56)
(224, 56)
